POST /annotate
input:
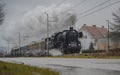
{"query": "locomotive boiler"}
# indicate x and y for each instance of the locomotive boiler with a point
(66, 41)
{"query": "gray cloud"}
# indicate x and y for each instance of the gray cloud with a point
(27, 17)
(32, 23)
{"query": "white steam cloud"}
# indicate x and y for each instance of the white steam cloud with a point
(32, 25)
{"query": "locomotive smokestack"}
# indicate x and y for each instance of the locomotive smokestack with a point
(71, 28)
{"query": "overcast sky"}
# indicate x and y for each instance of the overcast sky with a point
(17, 8)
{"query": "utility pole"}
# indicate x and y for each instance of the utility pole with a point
(8, 45)
(19, 36)
(47, 45)
(108, 34)
(39, 46)
(47, 34)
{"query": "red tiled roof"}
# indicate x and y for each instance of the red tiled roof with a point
(96, 32)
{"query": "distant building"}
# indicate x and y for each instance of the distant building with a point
(2, 51)
(95, 35)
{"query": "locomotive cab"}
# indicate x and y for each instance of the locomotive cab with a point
(80, 34)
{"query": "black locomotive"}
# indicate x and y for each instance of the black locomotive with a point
(67, 41)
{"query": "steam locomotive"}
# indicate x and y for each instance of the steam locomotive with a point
(66, 41)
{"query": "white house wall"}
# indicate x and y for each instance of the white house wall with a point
(85, 42)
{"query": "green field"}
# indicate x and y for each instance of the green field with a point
(21, 69)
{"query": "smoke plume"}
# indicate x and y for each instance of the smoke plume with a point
(32, 25)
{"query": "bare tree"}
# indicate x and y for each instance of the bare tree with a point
(115, 30)
(2, 14)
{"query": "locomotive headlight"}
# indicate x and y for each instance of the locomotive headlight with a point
(78, 44)
(69, 44)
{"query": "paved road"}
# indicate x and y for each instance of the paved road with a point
(73, 66)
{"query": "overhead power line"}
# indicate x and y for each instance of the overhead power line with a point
(94, 7)
(78, 4)
(54, 7)
(57, 5)
(61, 2)
(99, 9)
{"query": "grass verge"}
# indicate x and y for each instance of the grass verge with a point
(21, 69)
(87, 56)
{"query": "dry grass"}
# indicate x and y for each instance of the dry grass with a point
(21, 69)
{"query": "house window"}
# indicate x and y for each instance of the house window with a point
(85, 36)
(94, 42)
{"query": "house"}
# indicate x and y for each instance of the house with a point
(95, 35)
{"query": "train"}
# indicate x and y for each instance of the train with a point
(66, 41)
(19, 51)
